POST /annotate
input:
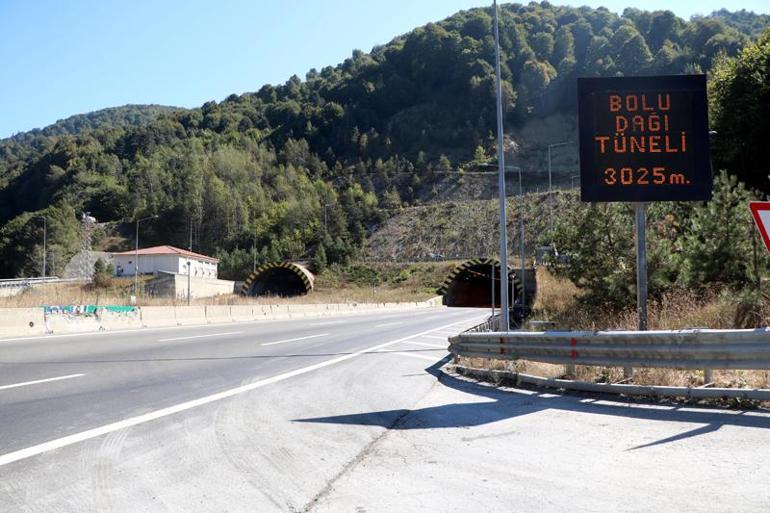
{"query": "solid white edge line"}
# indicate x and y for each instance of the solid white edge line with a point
(435, 337)
(200, 336)
(65, 441)
(385, 325)
(294, 339)
(35, 382)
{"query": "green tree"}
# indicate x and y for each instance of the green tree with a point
(739, 96)
(319, 259)
(717, 245)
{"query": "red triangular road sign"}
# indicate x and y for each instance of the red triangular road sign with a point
(760, 210)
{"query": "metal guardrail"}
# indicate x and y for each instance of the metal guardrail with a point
(681, 349)
(28, 282)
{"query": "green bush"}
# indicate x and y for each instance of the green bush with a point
(696, 245)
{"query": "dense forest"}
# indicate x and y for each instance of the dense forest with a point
(308, 168)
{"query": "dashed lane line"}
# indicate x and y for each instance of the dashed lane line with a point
(65, 441)
(37, 381)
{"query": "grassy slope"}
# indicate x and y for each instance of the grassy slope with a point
(463, 229)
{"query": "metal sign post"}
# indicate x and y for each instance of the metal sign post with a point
(643, 139)
(504, 306)
(640, 209)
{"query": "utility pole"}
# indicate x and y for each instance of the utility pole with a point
(136, 255)
(550, 184)
(189, 283)
(504, 311)
(45, 237)
(326, 223)
(521, 242)
(191, 222)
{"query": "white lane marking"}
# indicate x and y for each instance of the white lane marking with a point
(435, 337)
(330, 323)
(201, 336)
(47, 380)
(65, 441)
(425, 344)
(386, 324)
(294, 339)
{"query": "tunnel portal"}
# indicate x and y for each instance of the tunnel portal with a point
(284, 279)
(470, 285)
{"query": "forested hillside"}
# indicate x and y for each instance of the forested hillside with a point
(309, 167)
(111, 117)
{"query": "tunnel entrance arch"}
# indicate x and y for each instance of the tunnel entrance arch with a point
(284, 279)
(469, 284)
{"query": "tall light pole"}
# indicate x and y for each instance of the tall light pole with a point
(550, 184)
(45, 237)
(254, 252)
(521, 235)
(504, 312)
(136, 255)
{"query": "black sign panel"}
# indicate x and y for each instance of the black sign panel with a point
(644, 139)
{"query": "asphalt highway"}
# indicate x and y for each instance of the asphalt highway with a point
(348, 413)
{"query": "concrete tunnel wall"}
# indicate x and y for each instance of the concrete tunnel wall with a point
(470, 285)
(279, 279)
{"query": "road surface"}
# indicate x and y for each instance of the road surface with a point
(342, 414)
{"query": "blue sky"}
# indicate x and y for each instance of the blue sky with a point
(60, 57)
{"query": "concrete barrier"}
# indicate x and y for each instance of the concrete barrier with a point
(15, 322)
(279, 312)
(69, 323)
(111, 321)
(262, 312)
(33, 321)
(218, 314)
(241, 313)
(159, 316)
(190, 315)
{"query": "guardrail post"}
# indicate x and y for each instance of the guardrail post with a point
(569, 369)
(708, 376)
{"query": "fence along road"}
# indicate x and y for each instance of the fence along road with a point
(680, 349)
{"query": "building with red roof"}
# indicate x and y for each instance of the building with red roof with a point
(167, 259)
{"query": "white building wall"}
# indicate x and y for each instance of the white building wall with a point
(149, 264)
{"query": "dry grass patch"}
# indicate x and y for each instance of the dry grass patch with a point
(558, 301)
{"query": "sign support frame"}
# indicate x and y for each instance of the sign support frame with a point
(640, 232)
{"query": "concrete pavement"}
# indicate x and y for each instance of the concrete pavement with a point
(342, 414)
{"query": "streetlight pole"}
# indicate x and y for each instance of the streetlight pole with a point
(45, 237)
(521, 236)
(254, 252)
(136, 255)
(550, 184)
(504, 317)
